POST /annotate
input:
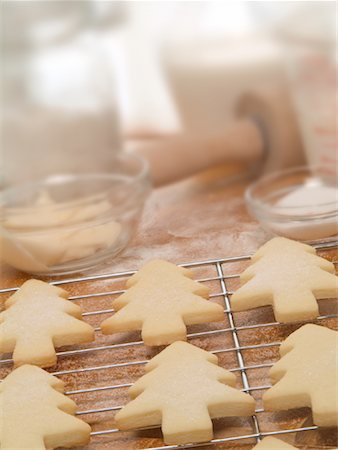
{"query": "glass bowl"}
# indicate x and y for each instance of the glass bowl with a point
(69, 223)
(295, 203)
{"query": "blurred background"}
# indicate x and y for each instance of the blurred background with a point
(101, 99)
(85, 79)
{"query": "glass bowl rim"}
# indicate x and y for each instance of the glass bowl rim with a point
(262, 210)
(141, 177)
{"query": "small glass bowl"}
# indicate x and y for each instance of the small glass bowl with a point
(295, 203)
(69, 223)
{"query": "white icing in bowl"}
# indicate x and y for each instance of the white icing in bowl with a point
(296, 204)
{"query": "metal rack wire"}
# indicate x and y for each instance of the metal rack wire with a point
(238, 349)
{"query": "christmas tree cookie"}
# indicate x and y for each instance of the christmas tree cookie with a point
(38, 318)
(183, 390)
(307, 374)
(289, 276)
(161, 300)
(35, 413)
(270, 443)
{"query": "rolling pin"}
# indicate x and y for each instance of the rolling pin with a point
(263, 133)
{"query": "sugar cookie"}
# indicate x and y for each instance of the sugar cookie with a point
(35, 413)
(270, 443)
(38, 318)
(183, 389)
(307, 375)
(289, 276)
(161, 300)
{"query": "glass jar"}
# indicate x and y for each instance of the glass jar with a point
(59, 111)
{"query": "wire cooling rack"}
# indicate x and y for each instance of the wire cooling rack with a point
(217, 273)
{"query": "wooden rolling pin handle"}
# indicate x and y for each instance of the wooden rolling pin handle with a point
(177, 157)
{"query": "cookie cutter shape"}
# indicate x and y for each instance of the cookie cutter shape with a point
(183, 390)
(161, 300)
(36, 414)
(307, 375)
(38, 318)
(289, 276)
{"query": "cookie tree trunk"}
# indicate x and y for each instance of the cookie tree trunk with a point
(183, 423)
(38, 350)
